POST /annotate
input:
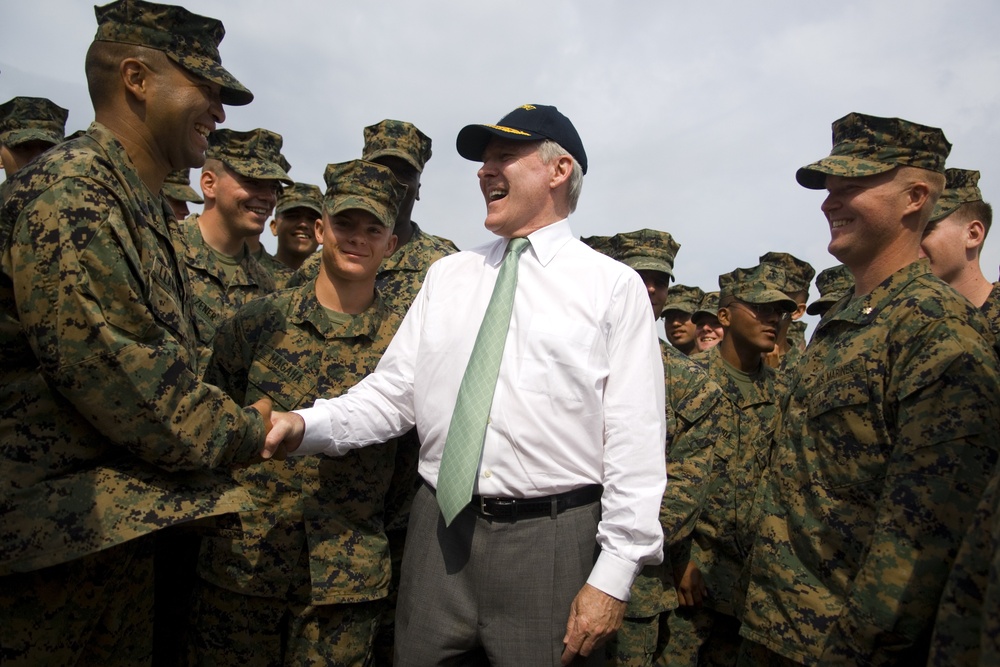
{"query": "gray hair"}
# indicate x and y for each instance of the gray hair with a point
(550, 150)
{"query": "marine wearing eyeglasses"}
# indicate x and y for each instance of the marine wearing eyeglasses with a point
(752, 306)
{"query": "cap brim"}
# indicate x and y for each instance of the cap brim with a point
(473, 139)
(767, 296)
(826, 300)
(23, 136)
(298, 204)
(388, 152)
(648, 264)
(259, 169)
(813, 176)
(182, 193)
(345, 203)
(233, 92)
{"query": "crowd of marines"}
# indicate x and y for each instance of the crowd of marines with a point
(828, 503)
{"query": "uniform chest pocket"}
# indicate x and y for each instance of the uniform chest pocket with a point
(164, 301)
(275, 376)
(556, 359)
(848, 428)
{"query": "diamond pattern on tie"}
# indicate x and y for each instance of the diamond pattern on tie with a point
(464, 445)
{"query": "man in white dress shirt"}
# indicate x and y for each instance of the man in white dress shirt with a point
(536, 569)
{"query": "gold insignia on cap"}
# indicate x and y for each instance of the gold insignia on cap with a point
(510, 130)
(527, 107)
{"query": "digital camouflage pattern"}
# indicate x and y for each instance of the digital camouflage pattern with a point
(367, 186)
(24, 119)
(190, 40)
(833, 284)
(107, 434)
(887, 439)
(683, 298)
(289, 348)
(233, 630)
(213, 297)
(692, 430)
(300, 195)
(401, 274)
(867, 145)
(962, 618)
(177, 185)
(279, 273)
(991, 310)
(645, 249)
(798, 273)
(961, 187)
(252, 154)
(396, 138)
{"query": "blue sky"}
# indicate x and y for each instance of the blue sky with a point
(694, 116)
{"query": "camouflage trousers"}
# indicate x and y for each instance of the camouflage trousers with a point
(232, 629)
(699, 636)
(637, 642)
(95, 610)
(753, 654)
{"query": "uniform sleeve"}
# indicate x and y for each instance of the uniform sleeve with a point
(629, 533)
(228, 367)
(946, 431)
(106, 328)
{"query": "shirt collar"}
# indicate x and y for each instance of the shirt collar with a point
(545, 243)
(865, 309)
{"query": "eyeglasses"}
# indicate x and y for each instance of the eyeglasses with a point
(764, 310)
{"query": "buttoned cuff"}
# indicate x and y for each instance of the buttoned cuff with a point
(613, 575)
(317, 437)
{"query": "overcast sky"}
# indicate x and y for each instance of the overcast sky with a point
(694, 116)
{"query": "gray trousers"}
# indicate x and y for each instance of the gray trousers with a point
(491, 592)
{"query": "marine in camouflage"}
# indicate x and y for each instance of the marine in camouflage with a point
(24, 119)
(214, 295)
(886, 443)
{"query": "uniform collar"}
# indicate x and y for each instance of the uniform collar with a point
(545, 243)
(863, 310)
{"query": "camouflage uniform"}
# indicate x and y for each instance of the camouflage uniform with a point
(691, 399)
(254, 154)
(280, 274)
(723, 536)
(306, 568)
(107, 432)
(798, 278)
(887, 440)
(885, 445)
(991, 309)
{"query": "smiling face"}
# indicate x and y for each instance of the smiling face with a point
(181, 110)
(296, 232)
(710, 332)
(354, 245)
(865, 215)
(243, 204)
(517, 186)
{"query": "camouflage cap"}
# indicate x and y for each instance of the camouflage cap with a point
(759, 284)
(867, 145)
(363, 185)
(798, 273)
(24, 119)
(833, 284)
(395, 138)
(300, 195)
(190, 40)
(709, 307)
(643, 250)
(253, 154)
(683, 298)
(177, 185)
(961, 187)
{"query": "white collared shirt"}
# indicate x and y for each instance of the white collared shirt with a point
(579, 399)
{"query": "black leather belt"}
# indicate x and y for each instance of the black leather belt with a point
(526, 508)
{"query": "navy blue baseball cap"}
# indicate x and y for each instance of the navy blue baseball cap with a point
(529, 122)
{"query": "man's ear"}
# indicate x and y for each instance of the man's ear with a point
(319, 230)
(208, 181)
(724, 317)
(135, 75)
(799, 311)
(975, 234)
(562, 169)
